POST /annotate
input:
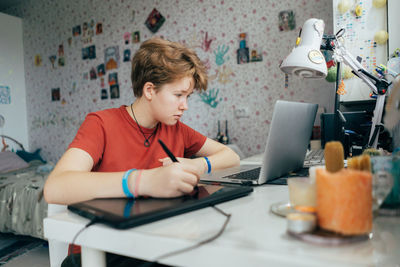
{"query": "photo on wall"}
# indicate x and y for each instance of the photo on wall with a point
(92, 52)
(99, 28)
(127, 55)
(93, 74)
(85, 53)
(287, 20)
(113, 78)
(111, 57)
(104, 94)
(114, 91)
(38, 60)
(255, 55)
(55, 94)
(76, 31)
(101, 70)
(136, 37)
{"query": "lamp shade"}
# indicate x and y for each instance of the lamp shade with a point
(306, 59)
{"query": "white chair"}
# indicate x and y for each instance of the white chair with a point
(57, 250)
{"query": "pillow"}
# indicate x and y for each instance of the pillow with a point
(9, 161)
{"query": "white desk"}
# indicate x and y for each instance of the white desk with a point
(254, 237)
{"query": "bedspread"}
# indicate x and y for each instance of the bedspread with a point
(22, 205)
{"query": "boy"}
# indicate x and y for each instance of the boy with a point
(116, 151)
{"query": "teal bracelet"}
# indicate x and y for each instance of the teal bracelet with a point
(208, 164)
(125, 186)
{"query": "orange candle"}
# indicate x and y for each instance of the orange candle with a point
(344, 201)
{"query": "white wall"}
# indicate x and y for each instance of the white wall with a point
(12, 75)
(393, 25)
(256, 86)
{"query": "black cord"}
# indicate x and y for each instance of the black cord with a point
(169, 254)
(208, 240)
(76, 236)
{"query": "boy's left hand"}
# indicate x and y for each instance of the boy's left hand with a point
(197, 162)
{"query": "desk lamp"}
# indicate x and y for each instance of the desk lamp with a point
(307, 61)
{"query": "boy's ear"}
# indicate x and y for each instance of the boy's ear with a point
(148, 90)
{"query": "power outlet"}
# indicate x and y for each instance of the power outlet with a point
(242, 112)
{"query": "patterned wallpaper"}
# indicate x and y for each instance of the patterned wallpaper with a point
(211, 27)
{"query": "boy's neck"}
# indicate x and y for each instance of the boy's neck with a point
(142, 113)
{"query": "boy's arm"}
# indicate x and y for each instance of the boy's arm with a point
(219, 155)
(72, 180)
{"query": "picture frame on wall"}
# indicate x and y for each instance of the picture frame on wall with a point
(114, 91)
(55, 94)
(154, 21)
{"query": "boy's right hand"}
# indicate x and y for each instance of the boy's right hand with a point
(173, 180)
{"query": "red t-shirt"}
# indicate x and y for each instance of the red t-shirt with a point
(114, 141)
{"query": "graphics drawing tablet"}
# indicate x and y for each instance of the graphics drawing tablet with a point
(123, 213)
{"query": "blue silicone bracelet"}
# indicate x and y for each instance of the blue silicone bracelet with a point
(125, 186)
(208, 164)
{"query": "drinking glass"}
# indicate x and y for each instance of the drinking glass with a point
(382, 179)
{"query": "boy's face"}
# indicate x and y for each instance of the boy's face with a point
(170, 101)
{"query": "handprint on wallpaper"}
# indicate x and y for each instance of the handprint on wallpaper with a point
(220, 54)
(210, 97)
(222, 74)
(206, 43)
(195, 42)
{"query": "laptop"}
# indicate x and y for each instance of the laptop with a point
(287, 142)
(123, 213)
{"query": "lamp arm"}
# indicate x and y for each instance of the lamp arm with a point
(342, 54)
(378, 86)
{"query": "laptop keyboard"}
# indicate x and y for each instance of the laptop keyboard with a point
(314, 157)
(252, 174)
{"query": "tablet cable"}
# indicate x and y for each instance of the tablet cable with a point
(93, 221)
(169, 254)
(208, 240)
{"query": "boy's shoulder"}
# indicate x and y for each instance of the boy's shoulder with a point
(107, 116)
(108, 113)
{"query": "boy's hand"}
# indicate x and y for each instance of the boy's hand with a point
(198, 163)
(173, 180)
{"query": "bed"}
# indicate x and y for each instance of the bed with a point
(22, 206)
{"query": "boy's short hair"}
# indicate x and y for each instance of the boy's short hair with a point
(161, 61)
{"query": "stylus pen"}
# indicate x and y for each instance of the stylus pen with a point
(169, 153)
(172, 157)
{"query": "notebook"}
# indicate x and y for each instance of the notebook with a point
(287, 142)
(122, 213)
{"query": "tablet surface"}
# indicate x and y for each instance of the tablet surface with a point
(125, 213)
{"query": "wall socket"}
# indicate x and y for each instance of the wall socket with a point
(242, 112)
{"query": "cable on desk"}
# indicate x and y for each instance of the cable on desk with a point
(208, 240)
(76, 236)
